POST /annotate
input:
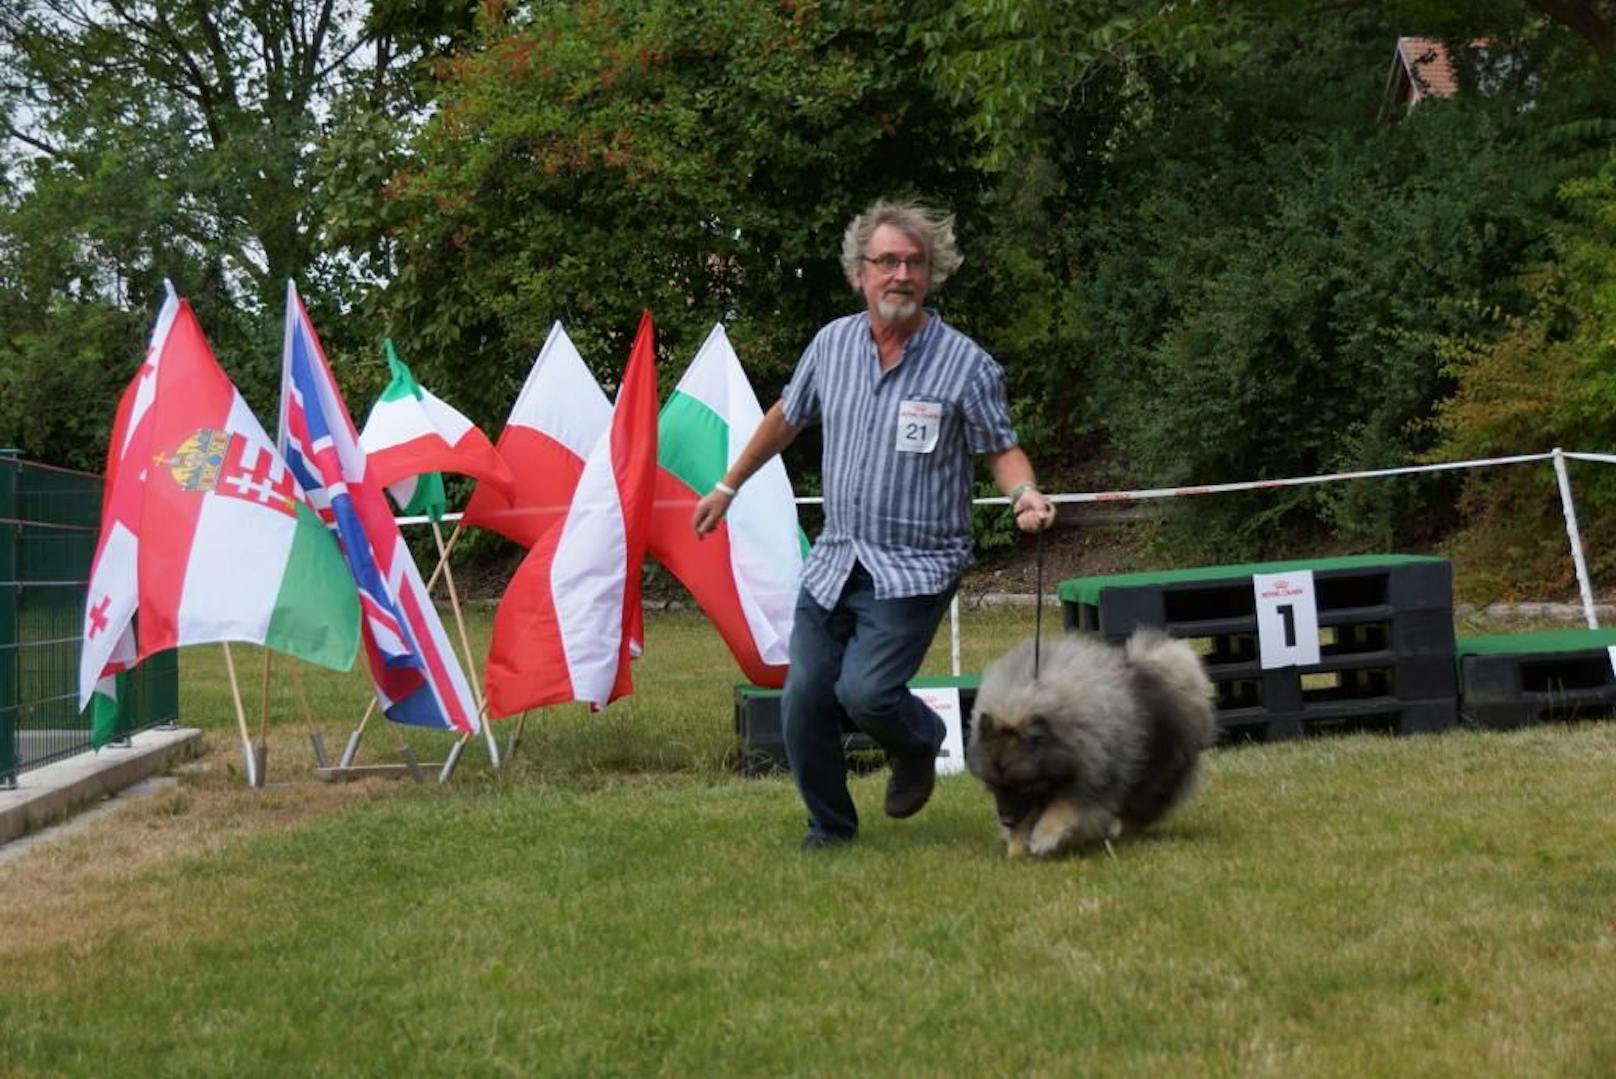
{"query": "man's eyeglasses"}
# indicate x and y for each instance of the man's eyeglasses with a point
(889, 263)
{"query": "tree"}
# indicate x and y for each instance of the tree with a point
(1548, 380)
(590, 160)
(1264, 277)
(158, 140)
(1021, 70)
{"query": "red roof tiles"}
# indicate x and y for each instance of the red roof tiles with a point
(1429, 67)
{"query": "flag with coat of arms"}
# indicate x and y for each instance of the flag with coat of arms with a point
(194, 491)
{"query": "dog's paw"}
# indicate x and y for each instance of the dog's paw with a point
(1015, 846)
(1058, 822)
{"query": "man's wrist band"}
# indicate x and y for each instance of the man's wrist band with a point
(1017, 491)
(724, 489)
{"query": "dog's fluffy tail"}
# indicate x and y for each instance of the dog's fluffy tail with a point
(1175, 664)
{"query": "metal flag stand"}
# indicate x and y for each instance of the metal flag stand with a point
(345, 768)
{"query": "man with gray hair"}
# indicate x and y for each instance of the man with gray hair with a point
(904, 400)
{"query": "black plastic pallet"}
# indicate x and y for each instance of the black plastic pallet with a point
(1556, 677)
(1385, 632)
(760, 742)
(1344, 677)
(1388, 715)
(1215, 605)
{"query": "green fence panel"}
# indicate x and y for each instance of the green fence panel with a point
(10, 526)
(52, 517)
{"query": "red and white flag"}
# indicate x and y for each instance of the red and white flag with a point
(203, 532)
(566, 626)
(114, 589)
(557, 419)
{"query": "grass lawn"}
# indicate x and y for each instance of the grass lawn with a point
(617, 900)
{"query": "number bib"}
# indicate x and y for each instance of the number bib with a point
(918, 425)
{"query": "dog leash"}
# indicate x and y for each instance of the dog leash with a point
(1038, 605)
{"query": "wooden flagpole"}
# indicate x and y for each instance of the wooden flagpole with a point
(253, 779)
(444, 551)
(465, 645)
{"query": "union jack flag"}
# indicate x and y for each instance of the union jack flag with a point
(418, 679)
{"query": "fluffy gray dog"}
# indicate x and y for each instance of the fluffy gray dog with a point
(1105, 738)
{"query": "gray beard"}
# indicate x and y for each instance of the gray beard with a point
(896, 309)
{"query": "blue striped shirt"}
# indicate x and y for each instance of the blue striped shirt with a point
(897, 445)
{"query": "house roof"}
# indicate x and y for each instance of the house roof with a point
(1429, 67)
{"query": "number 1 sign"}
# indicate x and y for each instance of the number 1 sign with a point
(1287, 619)
(945, 701)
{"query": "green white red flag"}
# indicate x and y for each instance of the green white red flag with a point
(744, 574)
(569, 621)
(195, 492)
(412, 434)
(105, 708)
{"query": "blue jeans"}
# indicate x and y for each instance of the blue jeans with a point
(854, 662)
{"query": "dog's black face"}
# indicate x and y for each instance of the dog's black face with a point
(1015, 806)
(1022, 761)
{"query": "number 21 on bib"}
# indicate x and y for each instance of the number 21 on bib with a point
(918, 425)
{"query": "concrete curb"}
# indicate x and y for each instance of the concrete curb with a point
(48, 794)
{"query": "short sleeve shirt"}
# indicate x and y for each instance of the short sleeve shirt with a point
(897, 453)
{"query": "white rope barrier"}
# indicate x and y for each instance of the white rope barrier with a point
(1292, 481)
(1222, 488)
(1557, 456)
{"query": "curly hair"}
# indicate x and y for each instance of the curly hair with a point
(932, 229)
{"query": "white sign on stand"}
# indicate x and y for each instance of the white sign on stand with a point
(945, 701)
(1612, 650)
(1287, 618)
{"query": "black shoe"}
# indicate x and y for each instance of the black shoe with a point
(823, 841)
(911, 784)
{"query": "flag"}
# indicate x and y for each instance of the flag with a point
(195, 492)
(566, 626)
(421, 496)
(411, 435)
(557, 419)
(744, 574)
(105, 707)
(417, 677)
(109, 647)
